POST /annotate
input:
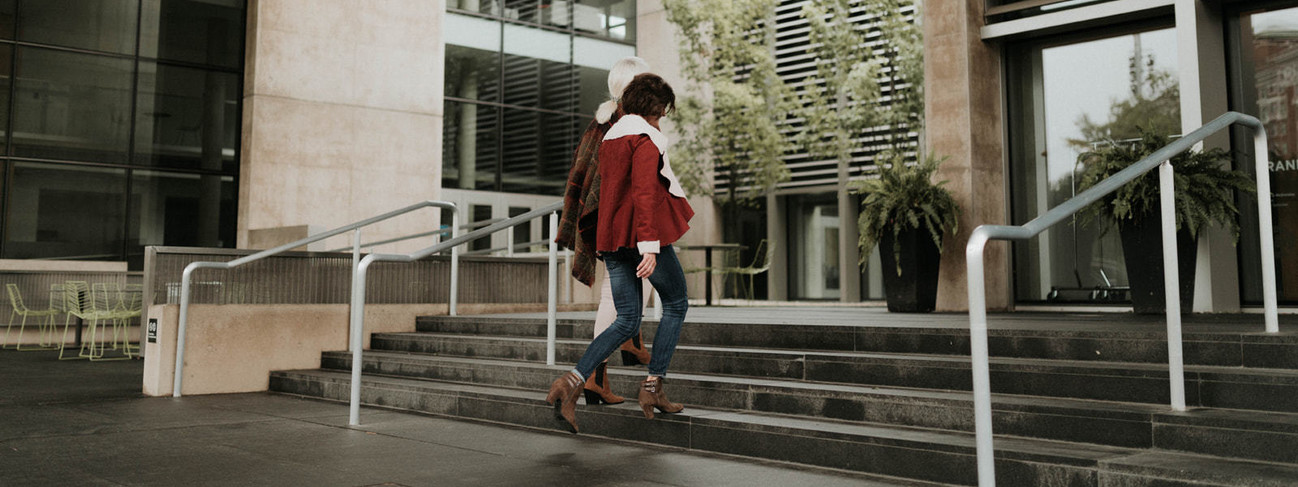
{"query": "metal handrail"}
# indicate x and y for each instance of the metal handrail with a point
(358, 289)
(187, 275)
(439, 232)
(1160, 158)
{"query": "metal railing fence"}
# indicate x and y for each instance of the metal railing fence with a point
(359, 276)
(1160, 159)
(187, 276)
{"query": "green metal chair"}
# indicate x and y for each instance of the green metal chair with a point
(45, 325)
(78, 300)
(108, 308)
(761, 263)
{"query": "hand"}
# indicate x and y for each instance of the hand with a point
(646, 267)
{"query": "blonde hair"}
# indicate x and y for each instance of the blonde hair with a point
(623, 71)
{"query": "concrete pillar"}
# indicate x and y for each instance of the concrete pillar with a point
(1202, 77)
(963, 111)
(342, 114)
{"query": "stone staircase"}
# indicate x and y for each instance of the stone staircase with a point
(1086, 408)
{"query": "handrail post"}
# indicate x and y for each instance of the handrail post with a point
(551, 313)
(978, 352)
(356, 257)
(1263, 165)
(455, 265)
(1171, 285)
(357, 332)
(179, 369)
(509, 242)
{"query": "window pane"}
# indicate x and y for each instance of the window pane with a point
(525, 10)
(1130, 83)
(606, 18)
(7, 10)
(481, 213)
(592, 89)
(537, 69)
(469, 146)
(180, 209)
(6, 63)
(491, 7)
(198, 31)
(472, 73)
(187, 118)
(523, 231)
(65, 212)
(99, 25)
(72, 106)
(1268, 44)
(538, 151)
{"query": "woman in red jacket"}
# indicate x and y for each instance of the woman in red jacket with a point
(642, 211)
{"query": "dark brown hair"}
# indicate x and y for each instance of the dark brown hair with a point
(648, 96)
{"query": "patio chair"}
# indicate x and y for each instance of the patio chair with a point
(45, 324)
(108, 309)
(761, 263)
(78, 301)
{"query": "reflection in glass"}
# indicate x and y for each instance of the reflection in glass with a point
(1269, 49)
(72, 106)
(8, 8)
(61, 211)
(469, 146)
(813, 240)
(605, 18)
(181, 209)
(472, 74)
(1130, 81)
(490, 7)
(592, 89)
(197, 31)
(538, 151)
(6, 63)
(186, 118)
(537, 69)
(98, 25)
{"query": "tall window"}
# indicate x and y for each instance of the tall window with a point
(1065, 98)
(523, 79)
(120, 124)
(1264, 47)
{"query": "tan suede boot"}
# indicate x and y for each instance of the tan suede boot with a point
(653, 395)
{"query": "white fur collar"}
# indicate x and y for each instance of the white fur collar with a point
(636, 125)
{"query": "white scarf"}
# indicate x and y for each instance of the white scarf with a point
(636, 125)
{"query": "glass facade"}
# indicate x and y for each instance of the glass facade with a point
(121, 125)
(1130, 80)
(522, 82)
(1264, 59)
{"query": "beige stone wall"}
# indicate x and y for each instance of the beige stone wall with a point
(963, 113)
(342, 115)
(233, 348)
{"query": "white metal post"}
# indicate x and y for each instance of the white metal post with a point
(978, 352)
(509, 242)
(179, 369)
(551, 314)
(356, 258)
(357, 331)
(1262, 158)
(455, 263)
(1171, 285)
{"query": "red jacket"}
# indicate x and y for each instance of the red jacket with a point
(641, 205)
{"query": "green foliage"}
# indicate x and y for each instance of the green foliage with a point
(904, 197)
(842, 99)
(730, 111)
(1204, 187)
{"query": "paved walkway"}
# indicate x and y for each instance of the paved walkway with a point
(82, 423)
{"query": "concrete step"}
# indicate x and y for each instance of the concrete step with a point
(912, 453)
(1228, 433)
(1228, 349)
(1206, 386)
(1170, 469)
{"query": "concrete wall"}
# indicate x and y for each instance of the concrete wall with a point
(233, 348)
(342, 116)
(963, 110)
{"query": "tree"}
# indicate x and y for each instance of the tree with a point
(1153, 106)
(731, 110)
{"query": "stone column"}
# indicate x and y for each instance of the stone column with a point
(342, 115)
(963, 112)
(1202, 77)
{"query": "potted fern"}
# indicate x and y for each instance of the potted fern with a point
(906, 214)
(1205, 194)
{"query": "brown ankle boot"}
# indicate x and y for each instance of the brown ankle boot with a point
(634, 352)
(652, 395)
(563, 395)
(598, 390)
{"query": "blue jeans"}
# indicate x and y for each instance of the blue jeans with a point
(669, 280)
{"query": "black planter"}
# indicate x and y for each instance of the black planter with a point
(1142, 249)
(915, 290)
